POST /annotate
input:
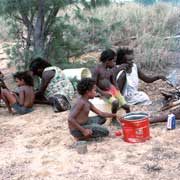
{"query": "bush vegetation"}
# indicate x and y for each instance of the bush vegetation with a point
(145, 28)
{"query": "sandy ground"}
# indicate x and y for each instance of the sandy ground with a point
(38, 146)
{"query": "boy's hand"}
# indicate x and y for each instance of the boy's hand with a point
(118, 116)
(87, 132)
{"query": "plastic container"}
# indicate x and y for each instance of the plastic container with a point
(118, 133)
(78, 73)
(101, 105)
(135, 127)
(81, 147)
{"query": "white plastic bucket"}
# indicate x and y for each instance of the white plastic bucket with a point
(77, 73)
(104, 106)
(101, 105)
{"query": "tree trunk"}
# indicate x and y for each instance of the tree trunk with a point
(38, 37)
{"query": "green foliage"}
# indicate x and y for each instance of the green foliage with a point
(65, 41)
(76, 30)
(38, 31)
(41, 28)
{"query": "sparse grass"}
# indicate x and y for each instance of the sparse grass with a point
(150, 25)
(103, 27)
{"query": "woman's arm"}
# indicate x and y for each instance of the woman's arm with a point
(121, 81)
(149, 79)
(46, 78)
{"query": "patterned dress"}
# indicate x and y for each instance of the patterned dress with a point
(59, 85)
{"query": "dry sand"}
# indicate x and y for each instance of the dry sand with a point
(38, 146)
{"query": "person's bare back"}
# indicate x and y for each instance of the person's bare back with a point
(22, 100)
(27, 93)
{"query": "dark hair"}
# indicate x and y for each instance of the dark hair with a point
(38, 63)
(107, 55)
(121, 52)
(24, 76)
(84, 85)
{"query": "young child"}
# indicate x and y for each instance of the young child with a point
(102, 74)
(22, 103)
(115, 95)
(81, 126)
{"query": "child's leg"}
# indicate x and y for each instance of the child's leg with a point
(97, 130)
(115, 106)
(114, 103)
(122, 102)
(8, 98)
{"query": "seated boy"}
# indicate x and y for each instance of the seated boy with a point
(80, 125)
(22, 103)
(103, 73)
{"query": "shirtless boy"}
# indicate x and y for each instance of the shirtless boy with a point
(81, 126)
(103, 72)
(22, 103)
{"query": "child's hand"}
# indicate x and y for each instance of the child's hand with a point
(118, 116)
(87, 132)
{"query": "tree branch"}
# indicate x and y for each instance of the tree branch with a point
(50, 19)
(39, 26)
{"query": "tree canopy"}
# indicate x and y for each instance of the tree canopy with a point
(39, 30)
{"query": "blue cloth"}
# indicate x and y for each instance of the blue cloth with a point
(21, 109)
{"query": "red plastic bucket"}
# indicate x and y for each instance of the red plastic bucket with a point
(135, 127)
